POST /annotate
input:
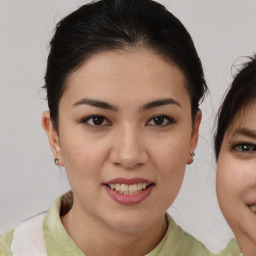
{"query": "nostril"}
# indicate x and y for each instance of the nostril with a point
(127, 163)
(128, 151)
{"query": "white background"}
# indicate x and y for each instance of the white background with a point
(29, 181)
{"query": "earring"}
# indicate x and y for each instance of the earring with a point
(192, 154)
(56, 161)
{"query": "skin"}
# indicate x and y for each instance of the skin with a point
(236, 179)
(128, 144)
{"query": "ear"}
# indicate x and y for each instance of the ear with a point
(52, 135)
(194, 135)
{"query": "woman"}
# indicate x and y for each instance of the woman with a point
(123, 83)
(235, 149)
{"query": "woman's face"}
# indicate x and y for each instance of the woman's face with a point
(236, 180)
(125, 137)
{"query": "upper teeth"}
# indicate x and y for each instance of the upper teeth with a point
(128, 189)
(253, 207)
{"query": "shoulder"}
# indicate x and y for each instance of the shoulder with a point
(5, 243)
(33, 228)
(15, 241)
(185, 244)
(231, 249)
(181, 242)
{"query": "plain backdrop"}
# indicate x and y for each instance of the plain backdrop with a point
(29, 180)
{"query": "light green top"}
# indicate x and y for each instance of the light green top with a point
(176, 242)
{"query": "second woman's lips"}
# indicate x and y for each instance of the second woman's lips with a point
(253, 207)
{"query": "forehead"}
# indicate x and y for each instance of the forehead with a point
(139, 72)
(245, 118)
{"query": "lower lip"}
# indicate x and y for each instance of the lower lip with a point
(129, 199)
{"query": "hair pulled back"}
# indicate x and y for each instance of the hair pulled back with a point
(240, 95)
(120, 24)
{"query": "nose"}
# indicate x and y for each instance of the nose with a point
(128, 149)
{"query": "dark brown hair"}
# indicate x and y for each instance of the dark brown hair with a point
(240, 95)
(120, 24)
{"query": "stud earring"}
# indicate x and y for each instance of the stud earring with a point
(56, 161)
(192, 154)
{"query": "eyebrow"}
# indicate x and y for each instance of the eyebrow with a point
(159, 103)
(96, 103)
(245, 132)
(147, 106)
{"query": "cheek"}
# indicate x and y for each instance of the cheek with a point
(78, 146)
(249, 182)
(169, 160)
(236, 181)
(82, 164)
(228, 188)
(83, 158)
(170, 157)
(228, 180)
(75, 154)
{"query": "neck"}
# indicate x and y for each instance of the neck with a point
(96, 238)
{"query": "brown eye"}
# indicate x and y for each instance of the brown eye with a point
(95, 120)
(98, 120)
(160, 120)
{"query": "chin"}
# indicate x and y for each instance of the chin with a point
(129, 223)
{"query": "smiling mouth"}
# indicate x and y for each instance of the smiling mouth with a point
(253, 208)
(125, 189)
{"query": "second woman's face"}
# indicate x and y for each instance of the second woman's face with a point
(125, 137)
(236, 180)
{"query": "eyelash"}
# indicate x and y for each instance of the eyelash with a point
(166, 120)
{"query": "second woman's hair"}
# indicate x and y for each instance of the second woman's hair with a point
(241, 94)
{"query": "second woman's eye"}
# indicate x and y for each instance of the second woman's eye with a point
(245, 147)
(160, 120)
(96, 120)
